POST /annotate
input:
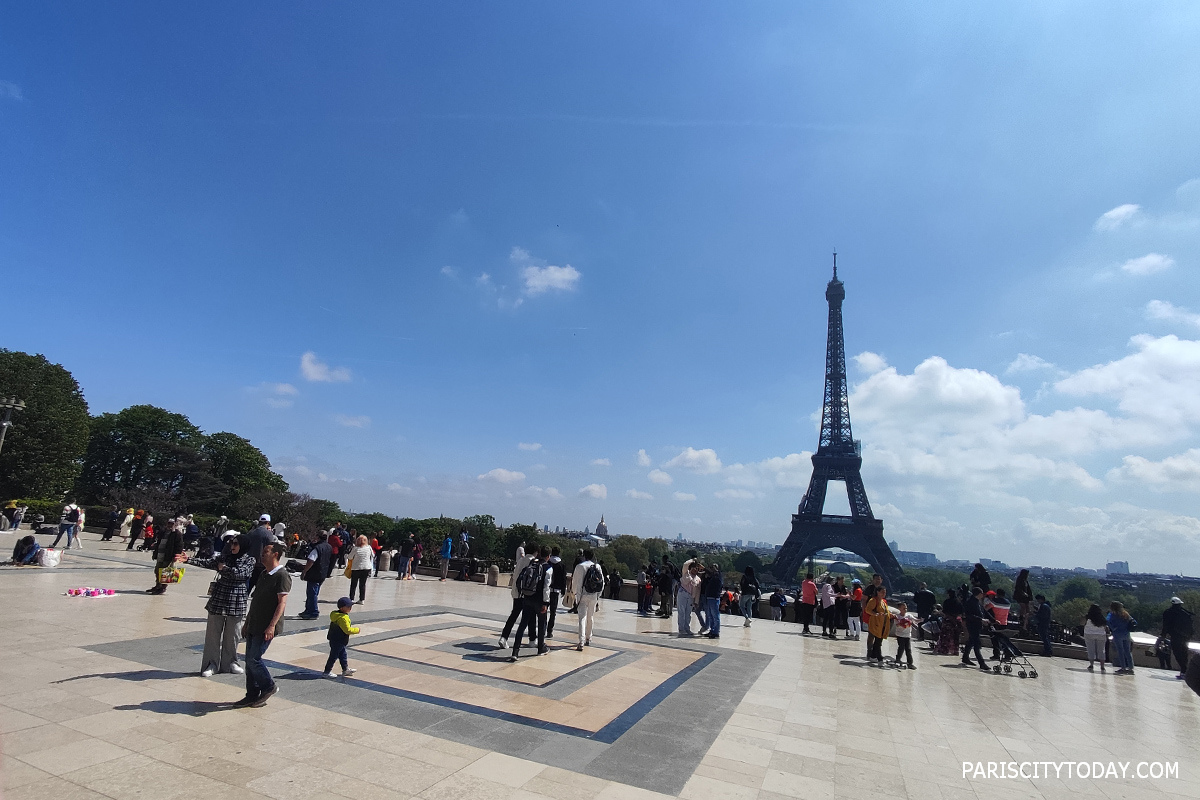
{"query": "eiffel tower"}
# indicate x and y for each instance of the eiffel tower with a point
(838, 458)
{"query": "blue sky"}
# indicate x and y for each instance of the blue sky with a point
(603, 231)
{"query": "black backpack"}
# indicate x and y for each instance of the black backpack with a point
(73, 515)
(558, 578)
(593, 579)
(529, 579)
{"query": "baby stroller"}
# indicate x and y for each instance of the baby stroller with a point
(1011, 654)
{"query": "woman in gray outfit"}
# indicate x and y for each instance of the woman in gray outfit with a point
(226, 605)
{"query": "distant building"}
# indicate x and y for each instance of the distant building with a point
(989, 563)
(913, 558)
(1117, 568)
(601, 528)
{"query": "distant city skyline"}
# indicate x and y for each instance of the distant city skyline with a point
(552, 261)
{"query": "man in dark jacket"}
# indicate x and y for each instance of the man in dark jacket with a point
(535, 604)
(558, 585)
(924, 600)
(711, 586)
(973, 616)
(316, 568)
(1177, 623)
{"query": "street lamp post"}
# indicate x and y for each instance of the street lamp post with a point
(9, 404)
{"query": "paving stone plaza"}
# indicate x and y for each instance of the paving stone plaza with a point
(102, 698)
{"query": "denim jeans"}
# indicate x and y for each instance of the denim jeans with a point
(69, 529)
(712, 607)
(747, 603)
(1124, 655)
(1047, 649)
(310, 598)
(402, 567)
(258, 677)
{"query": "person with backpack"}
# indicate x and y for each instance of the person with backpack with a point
(533, 586)
(558, 585)
(778, 603)
(1177, 624)
(588, 584)
(67, 524)
(316, 569)
(340, 630)
(520, 560)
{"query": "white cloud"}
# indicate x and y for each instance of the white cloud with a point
(275, 395)
(704, 461)
(659, 477)
(601, 462)
(1027, 363)
(870, 363)
(684, 496)
(1180, 473)
(449, 272)
(643, 460)
(548, 493)
(596, 491)
(734, 494)
(545, 279)
(636, 495)
(539, 278)
(1148, 264)
(360, 421)
(1115, 218)
(1168, 312)
(502, 476)
(283, 388)
(278, 402)
(779, 472)
(398, 488)
(529, 446)
(10, 91)
(313, 369)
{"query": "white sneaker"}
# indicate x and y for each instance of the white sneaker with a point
(502, 644)
(346, 673)
(236, 668)
(206, 672)
(328, 675)
(747, 625)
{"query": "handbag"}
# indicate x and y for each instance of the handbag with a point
(349, 568)
(169, 574)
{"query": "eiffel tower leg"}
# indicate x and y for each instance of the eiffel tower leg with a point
(861, 537)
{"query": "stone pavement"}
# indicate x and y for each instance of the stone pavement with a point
(102, 698)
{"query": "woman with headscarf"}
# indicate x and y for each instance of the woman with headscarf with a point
(879, 623)
(126, 524)
(168, 549)
(226, 605)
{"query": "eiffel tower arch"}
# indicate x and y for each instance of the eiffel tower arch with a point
(838, 458)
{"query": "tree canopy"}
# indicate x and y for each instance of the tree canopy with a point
(45, 445)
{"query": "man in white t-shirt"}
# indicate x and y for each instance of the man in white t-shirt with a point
(588, 584)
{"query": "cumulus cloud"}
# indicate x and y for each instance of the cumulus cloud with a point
(398, 488)
(1027, 363)
(601, 462)
(1168, 312)
(643, 460)
(1148, 264)
(684, 496)
(1179, 473)
(529, 445)
(704, 462)
(359, 421)
(596, 491)
(636, 495)
(734, 494)
(1115, 218)
(549, 493)
(659, 477)
(10, 91)
(313, 369)
(539, 278)
(870, 363)
(779, 472)
(275, 395)
(499, 475)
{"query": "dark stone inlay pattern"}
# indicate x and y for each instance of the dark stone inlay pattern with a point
(652, 745)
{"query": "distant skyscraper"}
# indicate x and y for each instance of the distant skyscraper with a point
(1117, 567)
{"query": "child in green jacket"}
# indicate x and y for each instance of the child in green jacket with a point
(339, 636)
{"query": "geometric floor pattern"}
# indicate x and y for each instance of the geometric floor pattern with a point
(101, 698)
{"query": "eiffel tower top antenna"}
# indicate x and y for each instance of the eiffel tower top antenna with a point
(835, 263)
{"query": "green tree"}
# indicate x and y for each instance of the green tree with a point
(1080, 587)
(44, 447)
(485, 536)
(1071, 612)
(140, 450)
(240, 465)
(747, 558)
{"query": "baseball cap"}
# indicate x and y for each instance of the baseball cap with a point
(343, 602)
(1176, 601)
(265, 518)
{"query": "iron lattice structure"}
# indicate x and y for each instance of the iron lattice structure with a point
(838, 458)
